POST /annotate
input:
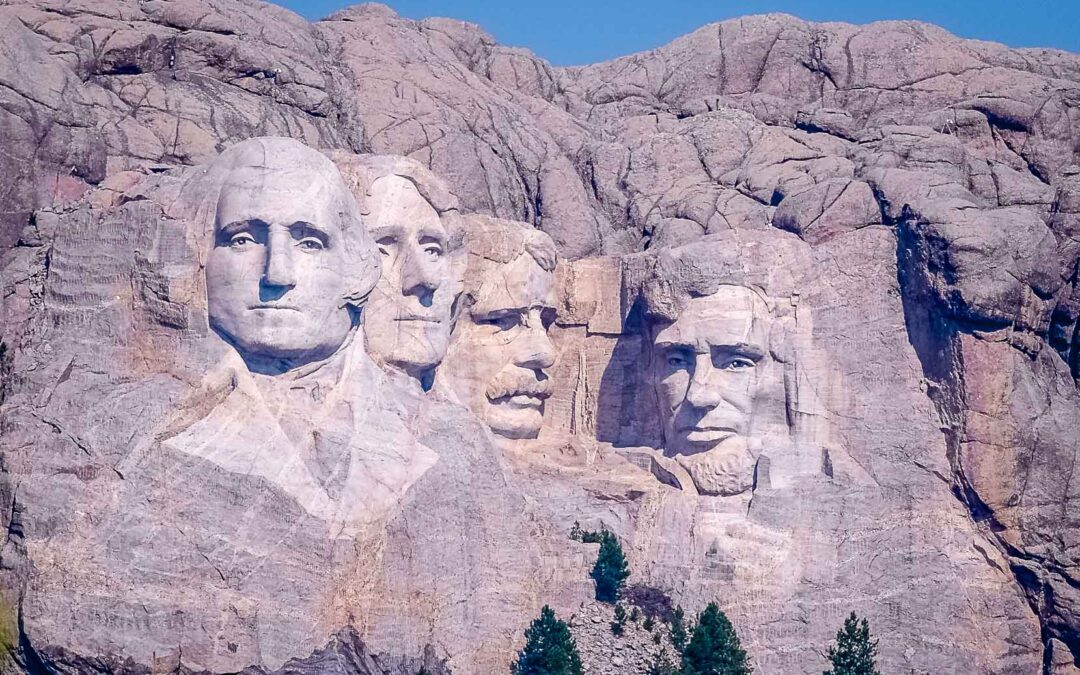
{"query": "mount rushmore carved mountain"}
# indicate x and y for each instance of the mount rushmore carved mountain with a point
(318, 338)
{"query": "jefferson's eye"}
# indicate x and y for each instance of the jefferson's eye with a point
(385, 244)
(241, 240)
(738, 363)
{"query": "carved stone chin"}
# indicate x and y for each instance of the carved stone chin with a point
(725, 470)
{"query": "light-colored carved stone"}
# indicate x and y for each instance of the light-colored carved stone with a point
(415, 223)
(500, 353)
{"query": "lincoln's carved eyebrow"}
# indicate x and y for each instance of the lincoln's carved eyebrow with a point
(750, 351)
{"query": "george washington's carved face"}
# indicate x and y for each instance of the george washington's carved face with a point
(276, 277)
(706, 370)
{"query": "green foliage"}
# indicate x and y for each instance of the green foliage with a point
(635, 614)
(714, 647)
(678, 629)
(549, 648)
(656, 638)
(586, 536)
(854, 651)
(610, 570)
(648, 623)
(662, 664)
(620, 620)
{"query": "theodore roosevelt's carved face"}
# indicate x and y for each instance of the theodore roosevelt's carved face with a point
(501, 353)
(408, 317)
(706, 369)
(276, 278)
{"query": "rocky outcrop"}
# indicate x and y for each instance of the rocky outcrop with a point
(903, 203)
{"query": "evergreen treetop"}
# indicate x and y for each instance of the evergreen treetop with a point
(549, 648)
(854, 651)
(611, 569)
(714, 647)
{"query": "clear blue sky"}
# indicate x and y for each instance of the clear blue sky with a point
(575, 32)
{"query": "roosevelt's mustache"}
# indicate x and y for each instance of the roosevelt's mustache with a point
(512, 384)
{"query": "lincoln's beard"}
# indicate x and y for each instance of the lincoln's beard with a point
(727, 469)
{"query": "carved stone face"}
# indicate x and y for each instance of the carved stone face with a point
(500, 353)
(276, 272)
(407, 321)
(706, 371)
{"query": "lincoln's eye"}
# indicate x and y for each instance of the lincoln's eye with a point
(677, 360)
(738, 363)
(433, 250)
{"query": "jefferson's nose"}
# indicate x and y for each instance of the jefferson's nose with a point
(279, 270)
(704, 390)
(420, 277)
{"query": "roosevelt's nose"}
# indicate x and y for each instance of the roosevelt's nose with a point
(279, 270)
(420, 276)
(705, 389)
(535, 349)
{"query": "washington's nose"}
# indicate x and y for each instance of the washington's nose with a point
(536, 350)
(704, 391)
(419, 277)
(279, 270)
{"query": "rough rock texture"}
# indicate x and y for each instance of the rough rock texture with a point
(914, 201)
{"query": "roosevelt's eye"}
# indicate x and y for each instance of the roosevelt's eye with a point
(310, 244)
(241, 240)
(502, 322)
(737, 363)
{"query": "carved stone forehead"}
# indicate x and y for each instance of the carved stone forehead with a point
(701, 269)
(361, 172)
(510, 264)
(281, 174)
(731, 316)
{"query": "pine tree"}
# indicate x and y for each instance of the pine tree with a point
(549, 648)
(610, 570)
(663, 665)
(854, 651)
(714, 647)
(678, 629)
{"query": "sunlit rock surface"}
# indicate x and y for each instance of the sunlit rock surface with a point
(856, 246)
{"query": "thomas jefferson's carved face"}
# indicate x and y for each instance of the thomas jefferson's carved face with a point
(407, 319)
(500, 354)
(706, 370)
(275, 275)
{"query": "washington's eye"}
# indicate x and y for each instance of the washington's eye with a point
(738, 363)
(241, 240)
(311, 244)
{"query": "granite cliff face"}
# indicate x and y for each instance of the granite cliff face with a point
(792, 308)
